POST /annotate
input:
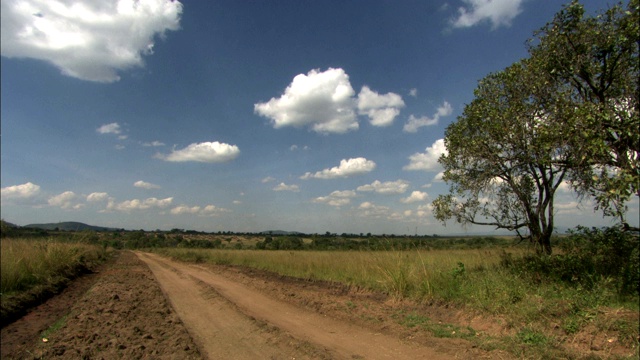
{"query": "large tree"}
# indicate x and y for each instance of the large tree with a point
(596, 60)
(569, 112)
(506, 157)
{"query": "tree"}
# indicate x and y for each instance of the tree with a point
(506, 157)
(568, 112)
(596, 60)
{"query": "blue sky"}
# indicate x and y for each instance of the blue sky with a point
(312, 116)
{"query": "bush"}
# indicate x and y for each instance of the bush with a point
(588, 257)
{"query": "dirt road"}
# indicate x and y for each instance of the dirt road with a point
(143, 306)
(231, 320)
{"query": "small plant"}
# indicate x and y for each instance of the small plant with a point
(532, 337)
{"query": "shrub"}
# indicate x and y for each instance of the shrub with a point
(588, 257)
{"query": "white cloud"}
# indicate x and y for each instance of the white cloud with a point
(415, 196)
(336, 198)
(320, 100)
(284, 187)
(90, 40)
(350, 167)
(424, 210)
(267, 179)
(498, 12)
(113, 128)
(387, 187)
(439, 177)
(24, 191)
(415, 123)
(184, 209)
(153, 144)
(209, 152)
(145, 185)
(368, 209)
(137, 204)
(429, 159)
(64, 200)
(413, 92)
(97, 196)
(209, 210)
(381, 109)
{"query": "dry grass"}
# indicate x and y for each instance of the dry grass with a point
(29, 262)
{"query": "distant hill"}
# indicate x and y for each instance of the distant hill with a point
(69, 226)
(281, 232)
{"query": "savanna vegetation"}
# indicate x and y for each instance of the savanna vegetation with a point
(35, 268)
(567, 114)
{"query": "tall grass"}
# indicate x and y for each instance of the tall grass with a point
(415, 274)
(25, 263)
(472, 277)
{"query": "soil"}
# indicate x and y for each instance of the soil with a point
(142, 306)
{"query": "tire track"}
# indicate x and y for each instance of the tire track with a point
(222, 324)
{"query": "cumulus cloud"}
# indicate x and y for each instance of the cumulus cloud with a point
(284, 187)
(387, 187)
(369, 209)
(350, 167)
(184, 209)
(325, 102)
(381, 109)
(498, 12)
(336, 198)
(65, 200)
(113, 128)
(320, 100)
(145, 185)
(136, 204)
(97, 196)
(90, 40)
(415, 123)
(415, 196)
(427, 160)
(208, 152)
(209, 210)
(24, 191)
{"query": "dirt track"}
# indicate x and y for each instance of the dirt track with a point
(160, 309)
(225, 317)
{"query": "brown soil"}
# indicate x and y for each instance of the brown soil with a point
(142, 306)
(118, 313)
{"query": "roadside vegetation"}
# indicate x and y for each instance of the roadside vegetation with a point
(589, 289)
(36, 268)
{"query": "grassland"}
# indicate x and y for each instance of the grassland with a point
(33, 268)
(541, 317)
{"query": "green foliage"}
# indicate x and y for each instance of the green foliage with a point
(595, 62)
(590, 258)
(569, 112)
(280, 243)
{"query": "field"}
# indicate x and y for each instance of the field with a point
(480, 295)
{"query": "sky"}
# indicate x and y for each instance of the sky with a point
(308, 116)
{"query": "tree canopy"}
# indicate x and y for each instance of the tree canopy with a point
(568, 114)
(595, 59)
